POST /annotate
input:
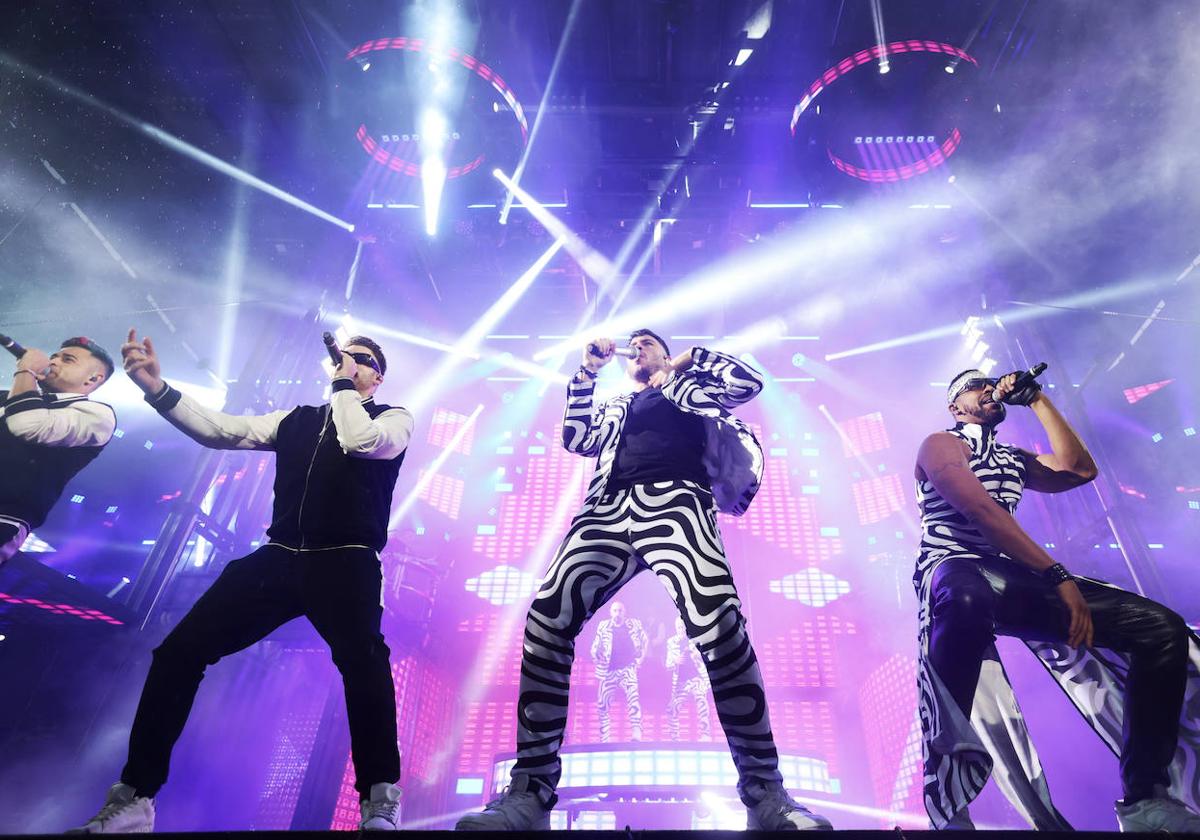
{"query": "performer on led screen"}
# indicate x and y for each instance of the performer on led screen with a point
(618, 651)
(669, 456)
(689, 681)
(1127, 663)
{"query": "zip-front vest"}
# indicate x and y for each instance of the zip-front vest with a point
(33, 475)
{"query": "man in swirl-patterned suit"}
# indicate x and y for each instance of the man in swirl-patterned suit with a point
(979, 574)
(689, 679)
(669, 455)
(618, 651)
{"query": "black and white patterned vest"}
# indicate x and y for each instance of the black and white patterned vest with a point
(944, 531)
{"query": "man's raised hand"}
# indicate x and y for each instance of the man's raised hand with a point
(141, 363)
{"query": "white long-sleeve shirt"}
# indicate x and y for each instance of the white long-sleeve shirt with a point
(359, 435)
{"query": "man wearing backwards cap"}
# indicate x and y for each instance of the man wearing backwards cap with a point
(50, 431)
(669, 456)
(1122, 659)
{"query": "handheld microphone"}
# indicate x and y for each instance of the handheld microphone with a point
(335, 355)
(1024, 380)
(627, 352)
(11, 345)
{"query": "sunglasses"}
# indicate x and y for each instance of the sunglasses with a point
(977, 384)
(366, 359)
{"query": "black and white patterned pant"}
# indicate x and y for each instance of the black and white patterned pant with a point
(695, 689)
(669, 527)
(624, 680)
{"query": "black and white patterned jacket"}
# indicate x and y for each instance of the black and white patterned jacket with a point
(715, 384)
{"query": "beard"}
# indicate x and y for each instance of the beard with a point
(994, 412)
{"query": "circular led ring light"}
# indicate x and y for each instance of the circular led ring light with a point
(408, 167)
(933, 159)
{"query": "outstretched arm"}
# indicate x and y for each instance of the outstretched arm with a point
(213, 429)
(942, 460)
(216, 429)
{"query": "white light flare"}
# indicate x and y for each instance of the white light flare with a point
(434, 129)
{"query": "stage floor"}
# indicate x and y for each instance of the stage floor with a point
(626, 834)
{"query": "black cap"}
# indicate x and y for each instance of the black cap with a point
(93, 348)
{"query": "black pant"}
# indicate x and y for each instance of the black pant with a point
(338, 590)
(968, 611)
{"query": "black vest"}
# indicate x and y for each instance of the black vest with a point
(32, 475)
(324, 497)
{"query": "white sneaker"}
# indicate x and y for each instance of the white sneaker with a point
(381, 812)
(124, 812)
(776, 811)
(1159, 813)
(513, 810)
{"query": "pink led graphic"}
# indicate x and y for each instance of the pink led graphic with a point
(490, 727)
(868, 55)
(443, 493)
(499, 653)
(805, 655)
(523, 518)
(886, 174)
(878, 498)
(404, 165)
(425, 707)
(891, 729)
(804, 726)
(82, 613)
(891, 174)
(783, 518)
(503, 585)
(1140, 392)
(445, 425)
(811, 586)
(864, 434)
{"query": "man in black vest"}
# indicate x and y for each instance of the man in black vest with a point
(335, 470)
(50, 431)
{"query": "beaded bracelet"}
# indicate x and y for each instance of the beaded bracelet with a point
(1056, 574)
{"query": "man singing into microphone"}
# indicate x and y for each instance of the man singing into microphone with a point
(1122, 659)
(669, 456)
(50, 431)
(335, 470)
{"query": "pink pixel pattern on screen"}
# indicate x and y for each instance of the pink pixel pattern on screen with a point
(443, 493)
(445, 425)
(864, 434)
(878, 498)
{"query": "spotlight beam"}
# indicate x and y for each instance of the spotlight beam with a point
(594, 264)
(172, 142)
(1024, 312)
(432, 470)
(572, 15)
(468, 344)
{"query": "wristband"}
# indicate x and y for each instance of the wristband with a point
(22, 370)
(589, 374)
(1056, 574)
